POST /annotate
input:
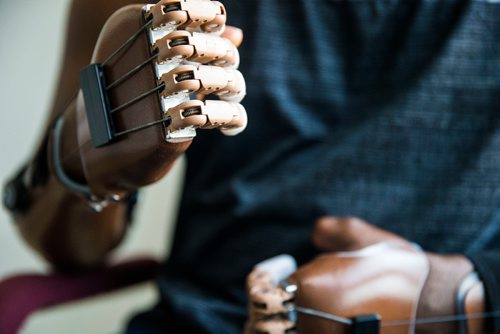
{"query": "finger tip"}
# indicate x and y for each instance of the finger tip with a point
(234, 34)
(326, 224)
(325, 231)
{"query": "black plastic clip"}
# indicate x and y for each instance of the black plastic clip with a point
(366, 324)
(97, 105)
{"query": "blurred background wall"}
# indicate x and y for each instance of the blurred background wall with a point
(31, 38)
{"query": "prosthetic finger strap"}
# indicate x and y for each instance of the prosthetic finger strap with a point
(189, 58)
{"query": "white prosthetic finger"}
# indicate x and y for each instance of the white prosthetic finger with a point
(278, 267)
(239, 121)
(202, 15)
(191, 115)
(236, 89)
(227, 84)
(197, 47)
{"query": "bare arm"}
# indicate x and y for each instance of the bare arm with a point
(60, 224)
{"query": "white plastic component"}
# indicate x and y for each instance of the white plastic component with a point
(279, 267)
(172, 101)
(182, 135)
(236, 131)
(166, 67)
(239, 81)
(156, 34)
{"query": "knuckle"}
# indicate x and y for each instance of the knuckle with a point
(353, 221)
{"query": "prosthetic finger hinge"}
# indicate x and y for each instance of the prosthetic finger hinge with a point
(373, 290)
(189, 57)
(207, 16)
(227, 84)
(196, 47)
(230, 118)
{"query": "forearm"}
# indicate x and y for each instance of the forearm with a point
(140, 153)
(60, 224)
(66, 231)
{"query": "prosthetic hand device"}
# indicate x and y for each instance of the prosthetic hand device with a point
(121, 122)
(143, 96)
(369, 281)
(209, 67)
(345, 292)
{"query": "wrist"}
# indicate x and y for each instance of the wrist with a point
(472, 304)
(438, 296)
(61, 162)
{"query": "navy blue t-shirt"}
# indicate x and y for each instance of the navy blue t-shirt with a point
(385, 110)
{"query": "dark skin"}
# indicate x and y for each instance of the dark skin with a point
(63, 229)
(56, 211)
(334, 234)
(103, 231)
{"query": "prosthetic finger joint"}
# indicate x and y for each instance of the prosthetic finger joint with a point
(196, 47)
(228, 84)
(207, 16)
(227, 116)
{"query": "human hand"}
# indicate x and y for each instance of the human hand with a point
(364, 270)
(198, 57)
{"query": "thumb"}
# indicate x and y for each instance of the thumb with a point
(235, 35)
(335, 234)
